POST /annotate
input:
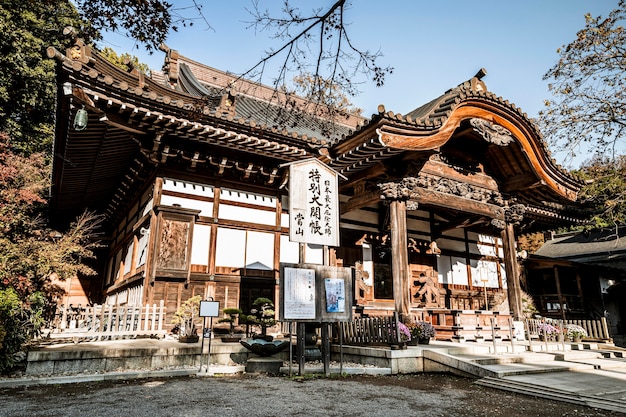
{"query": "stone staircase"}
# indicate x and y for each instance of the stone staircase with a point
(584, 374)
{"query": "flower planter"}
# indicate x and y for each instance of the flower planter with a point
(423, 340)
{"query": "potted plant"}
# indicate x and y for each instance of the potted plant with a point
(547, 331)
(187, 317)
(262, 315)
(575, 333)
(405, 334)
(232, 335)
(423, 331)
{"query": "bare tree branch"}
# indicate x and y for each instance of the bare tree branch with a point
(337, 63)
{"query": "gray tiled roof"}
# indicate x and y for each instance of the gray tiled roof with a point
(605, 247)
(266, 113)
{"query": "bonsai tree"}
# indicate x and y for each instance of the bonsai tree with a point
(262, 314)
(187, 316)
(232, 313)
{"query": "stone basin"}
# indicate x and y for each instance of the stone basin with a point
(263, 347)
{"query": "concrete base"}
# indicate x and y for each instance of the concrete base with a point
(213, 370)
(264, 365)
(125, 355)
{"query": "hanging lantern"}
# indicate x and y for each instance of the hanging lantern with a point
(81, 118)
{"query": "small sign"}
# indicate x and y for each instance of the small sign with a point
(209, 308)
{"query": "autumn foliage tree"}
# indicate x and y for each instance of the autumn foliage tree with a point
(605, 190)
(32, 256)
(587, 111)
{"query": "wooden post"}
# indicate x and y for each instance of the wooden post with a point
(559, 294)
(512, 271)
(399, 257)
(579, 285)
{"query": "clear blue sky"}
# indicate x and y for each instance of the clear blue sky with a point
(433, 45)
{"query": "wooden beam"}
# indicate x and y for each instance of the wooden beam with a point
(436, 198)
(358, 201)
(521, 182)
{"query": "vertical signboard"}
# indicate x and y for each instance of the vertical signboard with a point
(313, 204)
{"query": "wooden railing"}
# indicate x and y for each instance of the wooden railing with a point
(109, 322)
(596, 329)
(371, 331)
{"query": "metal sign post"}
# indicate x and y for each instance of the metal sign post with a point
(208, 308)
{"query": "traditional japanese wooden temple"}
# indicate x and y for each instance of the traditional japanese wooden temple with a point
(187, 166)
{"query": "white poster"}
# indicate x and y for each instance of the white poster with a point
(313, 204)
(299, 293)
(335, 295)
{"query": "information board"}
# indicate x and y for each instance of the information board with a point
(299, 293)
(315, 293)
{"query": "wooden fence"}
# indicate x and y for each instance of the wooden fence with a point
(109, 322)
(371, 330)
(384, 330)
(596, 329)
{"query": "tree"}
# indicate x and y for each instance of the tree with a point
(125, 60)
(605, 190)
(27, 78)
(588, 83)
(31, 255)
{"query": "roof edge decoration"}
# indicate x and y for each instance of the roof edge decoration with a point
(430, 127)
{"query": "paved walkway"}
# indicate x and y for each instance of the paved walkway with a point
(594, 375)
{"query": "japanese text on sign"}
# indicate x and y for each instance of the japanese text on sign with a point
(299, 296)
(314, 204)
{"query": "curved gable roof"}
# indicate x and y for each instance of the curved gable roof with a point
(430, 127)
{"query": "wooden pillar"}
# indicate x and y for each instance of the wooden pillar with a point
(399, 256)
(581, 294)
(512, 271)
(559, 293)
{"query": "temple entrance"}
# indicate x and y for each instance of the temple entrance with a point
(253, 288)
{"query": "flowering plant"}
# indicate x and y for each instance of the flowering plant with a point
(574, 331)
(547, 329)
(422, 330)
(405, 333)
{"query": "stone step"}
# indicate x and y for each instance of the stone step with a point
(574, 355)
(555, 394)
(528, 389)
(535, 368)
(537, 357)
(612, 353)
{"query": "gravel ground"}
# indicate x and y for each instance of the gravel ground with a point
(429, 395)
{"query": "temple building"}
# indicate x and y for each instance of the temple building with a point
(188, 167)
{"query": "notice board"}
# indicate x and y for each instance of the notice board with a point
(315, 293)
